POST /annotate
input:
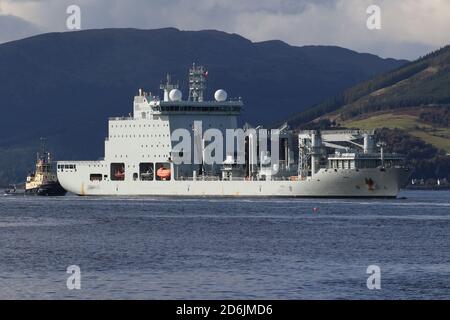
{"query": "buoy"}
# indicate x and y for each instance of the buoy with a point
(315, 209)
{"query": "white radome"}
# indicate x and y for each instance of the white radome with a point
(175, 95)
(220, 95)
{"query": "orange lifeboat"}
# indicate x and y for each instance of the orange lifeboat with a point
(120, 175)
(163, 173)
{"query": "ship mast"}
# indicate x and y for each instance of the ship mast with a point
(197, 82)
(40, 154)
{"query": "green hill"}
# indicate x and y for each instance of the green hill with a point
(424, 83)
(407, 120)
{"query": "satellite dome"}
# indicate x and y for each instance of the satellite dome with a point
(220, 95)
(175, 95)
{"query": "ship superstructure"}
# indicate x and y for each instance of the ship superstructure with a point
(143, 155)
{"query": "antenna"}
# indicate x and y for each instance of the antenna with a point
(197, 82)
(42, 154)
(167, 87)
(43, 144)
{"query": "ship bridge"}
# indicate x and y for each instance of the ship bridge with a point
(226, 107)
(147, 106)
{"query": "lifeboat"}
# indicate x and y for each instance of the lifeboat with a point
(119, 175)
(163, 173)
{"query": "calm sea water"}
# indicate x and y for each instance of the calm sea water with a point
(169, 248)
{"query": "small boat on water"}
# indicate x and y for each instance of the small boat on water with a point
(43, 181)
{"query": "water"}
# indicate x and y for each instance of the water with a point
(168, 248)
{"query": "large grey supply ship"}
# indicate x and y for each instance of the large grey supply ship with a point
(142, 156)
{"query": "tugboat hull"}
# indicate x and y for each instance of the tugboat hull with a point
(49, 189)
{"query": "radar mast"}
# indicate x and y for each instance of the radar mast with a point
(197, 82)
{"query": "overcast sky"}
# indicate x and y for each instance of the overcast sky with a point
(410, 28)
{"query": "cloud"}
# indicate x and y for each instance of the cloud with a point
(410, 28)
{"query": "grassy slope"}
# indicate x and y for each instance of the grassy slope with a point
(396, 100)
(437, 136)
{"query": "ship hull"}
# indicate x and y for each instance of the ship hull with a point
(371, 183)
